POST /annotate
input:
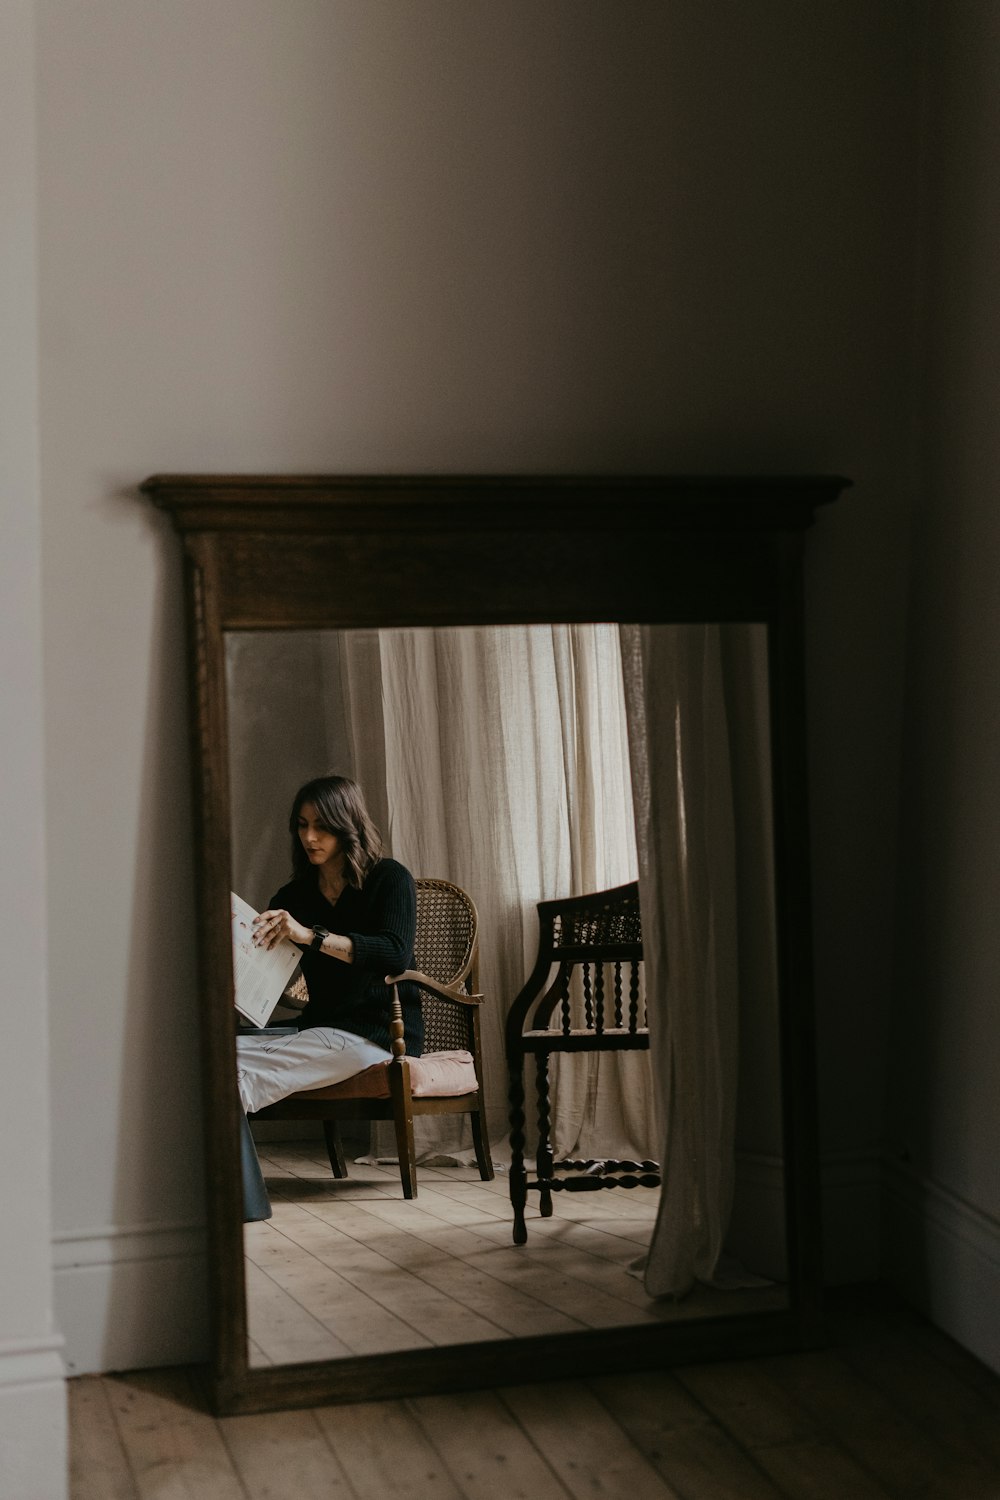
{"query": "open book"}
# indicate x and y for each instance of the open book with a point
(259, 974)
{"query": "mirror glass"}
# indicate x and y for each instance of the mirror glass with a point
(498, 758)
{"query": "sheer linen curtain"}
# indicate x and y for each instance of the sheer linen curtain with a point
(691, 733)
(499, 758)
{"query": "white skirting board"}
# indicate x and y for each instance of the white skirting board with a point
(943, 1255)
(849, 1201)
(130, 1297)
(33, 1427)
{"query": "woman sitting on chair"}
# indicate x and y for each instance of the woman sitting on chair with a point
(354, 915)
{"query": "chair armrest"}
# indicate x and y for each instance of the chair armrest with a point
(442, 991)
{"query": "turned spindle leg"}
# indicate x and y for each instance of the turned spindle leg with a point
(543, 1158)
(518, 1176)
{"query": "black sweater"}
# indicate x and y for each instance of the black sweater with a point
(380, 919)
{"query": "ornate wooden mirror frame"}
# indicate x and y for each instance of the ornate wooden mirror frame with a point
(334, 553)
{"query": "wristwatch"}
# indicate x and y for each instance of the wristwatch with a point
(320, 933)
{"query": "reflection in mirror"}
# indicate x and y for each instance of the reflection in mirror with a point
(509, 760)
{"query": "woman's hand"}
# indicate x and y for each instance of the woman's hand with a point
(272, 926)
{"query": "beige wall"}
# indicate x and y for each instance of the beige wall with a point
(418, 235)
(32, 1400)
(943, 1124)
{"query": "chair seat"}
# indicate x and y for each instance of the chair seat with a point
(438, 1075)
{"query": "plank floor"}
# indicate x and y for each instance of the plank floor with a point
(349, 1267)
(890, 1410)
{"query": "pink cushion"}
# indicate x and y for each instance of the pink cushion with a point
(438, 1075)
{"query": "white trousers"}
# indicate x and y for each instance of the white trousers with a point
(270, 1068)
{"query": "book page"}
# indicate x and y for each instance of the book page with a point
(259, 974)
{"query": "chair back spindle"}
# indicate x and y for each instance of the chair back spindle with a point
(589, 957)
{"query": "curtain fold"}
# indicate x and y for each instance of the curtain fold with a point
(502, 758)
(696, 703)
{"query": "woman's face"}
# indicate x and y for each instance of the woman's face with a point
(320, 844)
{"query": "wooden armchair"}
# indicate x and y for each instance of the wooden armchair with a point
(593, 1002)
(448, 1078)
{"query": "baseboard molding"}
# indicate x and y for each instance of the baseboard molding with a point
(850, 1205)
(131, 1296)
(128, 1297)
(851, 1185)
(33, 1426)
(757, 1223)
(26, 1362)
(943, 1255)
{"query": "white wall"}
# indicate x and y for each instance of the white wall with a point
(317, 234)
(32, 1392)
(943, 1220)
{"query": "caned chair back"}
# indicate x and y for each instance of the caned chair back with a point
(446, 948)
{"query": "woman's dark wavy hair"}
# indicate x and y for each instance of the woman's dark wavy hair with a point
(340, 807)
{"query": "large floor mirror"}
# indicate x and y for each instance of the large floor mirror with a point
(547, 687)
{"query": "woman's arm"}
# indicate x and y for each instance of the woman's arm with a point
(385, 946)
(277, 924)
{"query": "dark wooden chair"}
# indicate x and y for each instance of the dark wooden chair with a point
(585, 994)
(448, 1078)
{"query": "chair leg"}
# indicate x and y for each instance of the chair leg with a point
(543, 1157)
(334, 1148)
(481, 1142)
(402, 1119)
(518, 1178)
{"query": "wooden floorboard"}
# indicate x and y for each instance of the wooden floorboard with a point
(175, 1450)
(675, 1434)
(814, 1470)
(330, 1259)
(99, 1468)
(486, 1448)
(354, 1317)
(438, 1260)
(581, 1440)
(281, 1329)
(386, 1452)
(351, 1264)
(890, 1410)
(877, 1432)
(284, 1456)
(349, 1267)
